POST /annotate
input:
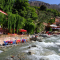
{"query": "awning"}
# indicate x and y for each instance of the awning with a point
(22, 30)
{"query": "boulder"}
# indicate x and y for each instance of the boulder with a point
(9, 58)
(33, 46)
(29, 47)
(45, 35)
(36, 39)
(31, 52)
(44, 58)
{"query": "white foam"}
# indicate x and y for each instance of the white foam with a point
(53, 57)
(57, 43)
(58, 40)
(49, 44)
(25, 47)
(59, 50)
(1, 51)
(42, 49)
(49, 57)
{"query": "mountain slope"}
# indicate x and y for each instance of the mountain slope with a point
(39, 3)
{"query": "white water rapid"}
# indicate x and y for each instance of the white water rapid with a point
(49, 49)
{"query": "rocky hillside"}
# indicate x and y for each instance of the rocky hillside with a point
(39, 3)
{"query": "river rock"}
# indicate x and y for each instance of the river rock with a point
(9, 58)
(44, 58)
(36, 39)
(45, 35)
(33, 46)
(40, 40)
(29, 47)
(54, 35)
(31, 52)
(4, 49)
(32, 41)
(16, 58)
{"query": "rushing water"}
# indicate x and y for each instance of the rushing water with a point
(49, 49)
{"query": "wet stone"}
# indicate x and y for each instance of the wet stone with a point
(9, 58)
(44, 58)
(29, 53)
(33, 46)
(29, 47)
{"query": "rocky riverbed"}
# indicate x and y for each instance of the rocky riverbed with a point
(46, 49)
(13, 52)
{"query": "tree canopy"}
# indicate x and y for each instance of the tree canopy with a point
(19, 14)
(23, 16)
(43, 7)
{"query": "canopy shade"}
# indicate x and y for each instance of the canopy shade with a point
(22, 30)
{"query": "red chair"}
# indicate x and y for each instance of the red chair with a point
(10, 42)
(18, 41)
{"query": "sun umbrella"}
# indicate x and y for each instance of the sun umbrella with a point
(22, 30)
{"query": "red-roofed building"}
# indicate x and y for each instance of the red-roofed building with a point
(3, 12)
(57, 21)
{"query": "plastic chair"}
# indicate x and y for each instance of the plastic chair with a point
(14, 42)
(23, 40)
(5, 43)
(18, 41)
(10, 42)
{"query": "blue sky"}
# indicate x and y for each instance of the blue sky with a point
(49, 1)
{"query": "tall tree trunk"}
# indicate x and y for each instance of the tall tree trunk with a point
(10, 27)
(14, 27)
(8, 24)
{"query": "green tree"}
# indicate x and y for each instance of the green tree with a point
(20, 22)
(20, 5)
(6, 5)
(3, 20)
(43, 7)
(29, 26)
(31, 13)
(51, 21)
(54, 11)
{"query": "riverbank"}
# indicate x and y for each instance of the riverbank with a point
(12, 37)
(14, 52)
(10, 52)
(47, 49)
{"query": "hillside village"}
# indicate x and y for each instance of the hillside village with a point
(54, 26)
(38, 12)
(29, 30)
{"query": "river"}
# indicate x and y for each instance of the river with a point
(49, 49)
